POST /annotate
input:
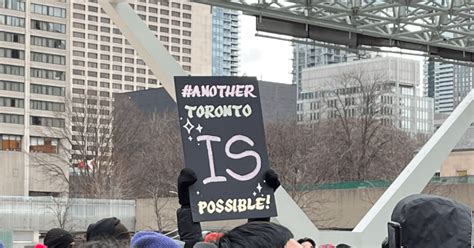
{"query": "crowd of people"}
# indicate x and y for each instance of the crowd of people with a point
(412, 213)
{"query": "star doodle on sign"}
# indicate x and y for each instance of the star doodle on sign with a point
(254, 194)
(198, 193)
(188, 126)
(199, 128)
(259, 187)
(190, 138)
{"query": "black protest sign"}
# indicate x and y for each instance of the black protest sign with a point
(224, 143)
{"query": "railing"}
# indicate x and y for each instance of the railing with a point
(377, 184)
(41, 213)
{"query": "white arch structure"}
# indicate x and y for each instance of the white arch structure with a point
(371, 230)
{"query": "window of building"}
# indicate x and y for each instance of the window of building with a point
(129, 69)
(48, 26)
(12, 102)
(140, 62)
(44, 145)
(141, 80)
(92, 74)
(12, 53)
(186, 16)
(187, 50)
(93, 9)
(92, 83)
(78, 81)
(47, 122)
(78, 72)
(104, 85)
(47, 106)
(186, 42)
(164, 12)
(48, 58)
(105, 29)
(79, 6)
(117, 50)
(186, 7)
(164, 30)
(105, 20)
(92, 18)
(175, 49)
(78, 53)
(48, 42)
(152, 18)
(104, 57)
(48, 10)
(117, 86)
(79, 35)
(12, 37)
(104, 94)
(92, 46)
(461, 173)
(152, 10)
(78, 44)
(128, 87)
(164, 21)
(92, 37)
(153, 27)
(129, 78)
(186, 24)
(48, 74)
(186, 59)
(129, 60)
(12, 86)
(117, 40)
(116, 31)
(186, 33)
(186, 67)
(47, 90)
(12, 70)
(10, 142)
(11, 119)
(13, 4)
(12, 21)
(92, 64)
(79, 16)
(152, 81)
(175, 40)
(164, 38)
(105, 48)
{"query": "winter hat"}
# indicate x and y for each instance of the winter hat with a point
(213, 237)
(58, 238)
(152, 240)
(40, 246)
(108, 228)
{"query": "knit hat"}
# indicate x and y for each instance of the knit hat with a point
(148, 239)
(58, 238)
(213, 237)
(108, 228)
(40, 246)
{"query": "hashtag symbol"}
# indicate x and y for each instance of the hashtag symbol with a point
(186, 91)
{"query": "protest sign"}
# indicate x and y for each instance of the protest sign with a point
(224, 143)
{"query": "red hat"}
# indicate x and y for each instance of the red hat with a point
(40, 246)
(213, 237)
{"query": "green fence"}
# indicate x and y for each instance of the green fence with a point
(377, 184)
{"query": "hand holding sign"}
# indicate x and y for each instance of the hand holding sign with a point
(224, 144)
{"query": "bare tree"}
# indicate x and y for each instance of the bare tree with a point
(85, 159)
(60, 208)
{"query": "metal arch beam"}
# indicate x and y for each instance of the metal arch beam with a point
(165, 67)
(383, 16)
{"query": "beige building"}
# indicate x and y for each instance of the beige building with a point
(461, 159)
(55, 52)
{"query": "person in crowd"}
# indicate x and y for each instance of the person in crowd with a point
(307, 243)
(147, 239)
(1, 244)
(109, 229)
(58, 238)
(342, 246)
(258, 235)
(190, 232)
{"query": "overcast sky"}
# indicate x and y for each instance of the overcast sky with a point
(267, 59)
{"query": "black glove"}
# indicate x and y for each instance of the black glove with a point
(186, 178)
(271, 179)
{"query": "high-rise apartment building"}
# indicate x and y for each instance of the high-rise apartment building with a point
(33, 86)
(439, 84)
(322, 92)
(463, 82)
(58, 56)
(308, 56)
(225, 42)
